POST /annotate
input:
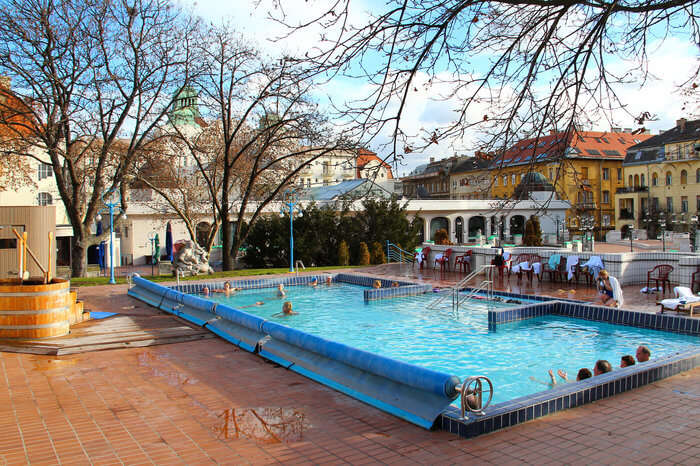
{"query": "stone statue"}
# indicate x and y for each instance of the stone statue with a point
(191, 260)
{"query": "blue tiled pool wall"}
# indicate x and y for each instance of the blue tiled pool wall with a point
(249, 284)
(386, 291)
(669, 323)
(567, 396)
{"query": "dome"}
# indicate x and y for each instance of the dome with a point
(532, 182)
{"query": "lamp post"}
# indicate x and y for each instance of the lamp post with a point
(557, 220)
(152, 239)
(111, 199)
(290, 199)
(693, 230)
(662, 225)
(587, 224)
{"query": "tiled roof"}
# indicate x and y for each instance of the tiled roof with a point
(689, 132)
(365, 156)
(470, 164)
(583, 144)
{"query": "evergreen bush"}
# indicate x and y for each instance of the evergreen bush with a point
(441, 237)
(343, 253)
(377, 256)
(533, 232)
(364, 254)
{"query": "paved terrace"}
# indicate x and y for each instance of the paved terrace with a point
(209, 402)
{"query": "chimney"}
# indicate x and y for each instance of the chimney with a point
(680, 123)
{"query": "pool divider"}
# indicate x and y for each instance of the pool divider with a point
(413, 393)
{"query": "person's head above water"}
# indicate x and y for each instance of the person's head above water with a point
(395, 285)
(314, 282)
(205, 291)
(584, 374)
(287, 307)
(329, 280)
(643, 353)
(377, 284)
(227, 285)
(627, 360)
(601, 367)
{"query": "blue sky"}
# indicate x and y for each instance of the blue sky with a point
(669, 63)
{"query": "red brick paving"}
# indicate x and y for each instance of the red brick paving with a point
(209, 402)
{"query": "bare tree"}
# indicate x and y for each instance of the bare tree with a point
(511, 69)
(98, 77)
(268, 129)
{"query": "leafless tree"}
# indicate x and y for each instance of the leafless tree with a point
(511, 69)
(97, 77)
(268, 128)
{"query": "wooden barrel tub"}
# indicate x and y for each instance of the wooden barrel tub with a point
(35, 310)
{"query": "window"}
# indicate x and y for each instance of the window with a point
(606, 220)
(592, 152)
(644, 183)
(654, 179)
(619, 174)
(551, 174)
(45, 199)
(584, 173)
(656, 203)
(45, 171)
(697, 175)
(669, 179)
(636, 181)
(606, 173)
(669, 205)
(606, 197)
(611, 152)
(495, 181)
(697, 203)
(629, 181)
(512, 179)
(684, 177)
(684, 204)
(505, 180)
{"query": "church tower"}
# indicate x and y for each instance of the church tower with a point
(185, 108)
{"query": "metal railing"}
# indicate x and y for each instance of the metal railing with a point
(297, 263)
(453, 291)
(396, 254)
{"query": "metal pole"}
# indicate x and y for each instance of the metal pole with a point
(291, 236)
(112, 281)
(152, 253)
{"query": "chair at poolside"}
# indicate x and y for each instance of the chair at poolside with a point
(660, 274)
(685, 301)
(505, 266)
(531, 264)
(464, 261)
(443, 260)
(421, 256)
(695, 279)
(557, 273)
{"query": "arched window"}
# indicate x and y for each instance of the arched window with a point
(669, 179)
(643, 181)
(684, 177)
(505, 180)
(654, 179)
(636, 181)
(45, 199)
(697, 175)
(629, 182)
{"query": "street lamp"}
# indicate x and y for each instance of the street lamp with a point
(662, 225)
(290, 199)
(111, 199)
(557, 219)
(152, 238)
(587, 224)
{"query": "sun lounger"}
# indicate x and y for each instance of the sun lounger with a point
(685, 301)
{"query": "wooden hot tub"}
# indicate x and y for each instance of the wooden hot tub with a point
(35, 310)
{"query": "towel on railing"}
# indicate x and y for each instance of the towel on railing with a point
(571, 262)
(595, 265)
(554, 260)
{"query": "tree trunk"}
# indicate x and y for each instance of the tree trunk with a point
(226, 245)
(78, 254)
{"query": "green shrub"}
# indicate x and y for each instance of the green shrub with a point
(343, 254)
(364, 254)
(533, 232)
(377, 256)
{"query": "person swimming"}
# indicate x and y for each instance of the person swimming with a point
(329, 281)
(377, 284)
(258, 303)
(205, 291)
(227, 290)
(280, 291)
(313, 282)
(286, 310)
(395, 285)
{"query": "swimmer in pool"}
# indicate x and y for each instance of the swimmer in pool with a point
(280, 291)
(313, 282)
(395, 285)
(329, 281)
(227, 289)
(286, 310)
(259, 303)
(205, 291)
(377, 284)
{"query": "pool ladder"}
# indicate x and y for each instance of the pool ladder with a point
(472, 393)
(453, 291)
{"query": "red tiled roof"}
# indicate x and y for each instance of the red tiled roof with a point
(365, 156)
(584, 144)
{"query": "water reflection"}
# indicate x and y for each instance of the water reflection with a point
(262, 425)
(155, 365)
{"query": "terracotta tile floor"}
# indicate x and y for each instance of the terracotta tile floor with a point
(208, 402)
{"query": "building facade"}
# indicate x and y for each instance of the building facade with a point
(431, 180)
(470, 178)
(662, 180)
(585, 168)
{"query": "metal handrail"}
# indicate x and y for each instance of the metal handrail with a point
(474, 387)
(296, 266)
(454, 290)
(396, 254)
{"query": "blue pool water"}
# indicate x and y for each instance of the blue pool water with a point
(457, 343)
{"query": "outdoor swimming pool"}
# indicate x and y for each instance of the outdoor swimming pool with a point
(459, 343)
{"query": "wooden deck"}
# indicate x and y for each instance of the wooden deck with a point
(119, 331)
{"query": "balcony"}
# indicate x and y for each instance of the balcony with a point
(586, 205)
(632, 189)
(626, 214)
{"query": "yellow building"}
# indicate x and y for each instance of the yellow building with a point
(662, 174)
(584, 167)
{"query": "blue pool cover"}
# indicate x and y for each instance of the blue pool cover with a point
(411, 392)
